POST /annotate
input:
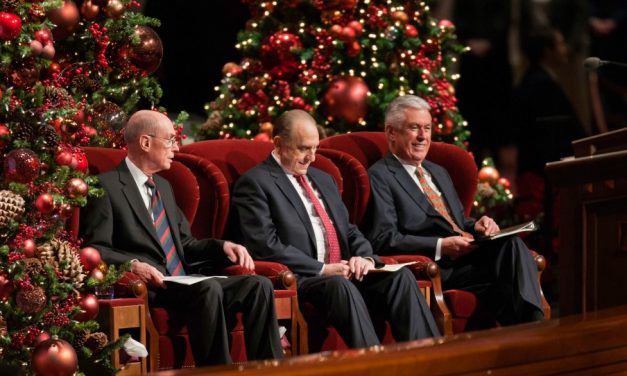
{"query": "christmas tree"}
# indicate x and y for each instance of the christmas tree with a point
(343, 61)
(69, 74)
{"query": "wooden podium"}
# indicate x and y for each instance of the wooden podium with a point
(592, 189)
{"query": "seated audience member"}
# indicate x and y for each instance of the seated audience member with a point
(415, 209)
(292, 213)
(138, 220)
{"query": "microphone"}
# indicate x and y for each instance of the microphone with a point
(594, 63)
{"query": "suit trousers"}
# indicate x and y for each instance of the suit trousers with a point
(345, 305)
(207, 303)
(503, 275)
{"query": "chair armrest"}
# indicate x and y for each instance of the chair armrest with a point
(424, 268)
(541, 265)
(130, 285)
(279, 274)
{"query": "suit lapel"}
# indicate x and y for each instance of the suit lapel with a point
(286, 187)
(136, 203)
(448, 192)
(409, 185)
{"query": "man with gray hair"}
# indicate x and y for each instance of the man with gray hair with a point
(414, 209)
(292, 213)
(137, 220)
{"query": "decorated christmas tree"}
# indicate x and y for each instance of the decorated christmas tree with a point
(342, 60)
(69, 74)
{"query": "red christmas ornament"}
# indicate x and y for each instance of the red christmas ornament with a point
(89, 308)
(346, 99)
(29, 247)
(90, 258)
(54, 357)
(63, 158)
(66, 210)
(262, 136)
(148, 53)
(43, 336)
(411, 31)
(54, 68)
(354, 48)
(489, 175)
(446, 24)
(97, 275)
(79, 161)
(21, 165)
(89, 10)
(36, 47)
(6, 287)
(357, 26)
(504, 182)
(5, 132)
(231, 68)
(45, 203)
(114, 9)
(44, 36)
(348, 34)
(298, 102)
(400, 16)
(10, 26)
(76, 187)
(65, 18)
(48, 51)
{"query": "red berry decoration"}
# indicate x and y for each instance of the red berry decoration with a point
(31, 300)
(21, 165)
(76, 187)
(504, 182)
(90, 258)
(89, 308)
(45, 203)
(10, 26)
(5, 132)
(54, 357)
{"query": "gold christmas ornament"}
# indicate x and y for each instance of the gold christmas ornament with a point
(11, 207)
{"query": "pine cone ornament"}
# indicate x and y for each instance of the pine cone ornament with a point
(31, 300)
(97, 341)
(23, 131)
(49, 136)
(10, 5)
(11, 207)
(33, 266)
(80, 338)
(56, 94)
(63, 256)
(80, 82)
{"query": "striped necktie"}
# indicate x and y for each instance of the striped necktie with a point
(334, 253)
(162, 226)
(438, 203)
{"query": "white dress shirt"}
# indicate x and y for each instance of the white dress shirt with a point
(316, 222)
(140, 180)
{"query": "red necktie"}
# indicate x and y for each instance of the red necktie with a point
(334, 254)
(162, 226)
(438, 203)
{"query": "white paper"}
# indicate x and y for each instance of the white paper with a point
(135, 348)
(189, 279)
(392, 267)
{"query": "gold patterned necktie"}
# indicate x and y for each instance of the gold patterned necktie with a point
(438, 203)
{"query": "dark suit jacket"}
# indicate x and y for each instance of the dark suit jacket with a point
(274, 223)
(120, 226)
(401, 219)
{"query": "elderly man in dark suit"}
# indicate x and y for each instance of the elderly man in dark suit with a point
(138, 220)
(292, 213)
(414, 208)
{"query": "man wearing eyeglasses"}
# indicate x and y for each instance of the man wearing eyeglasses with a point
(138, 220)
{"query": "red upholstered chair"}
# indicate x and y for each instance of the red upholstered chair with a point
(168, 339)
(355, 196)
(234, 158)
(369, 147)
(211, 220)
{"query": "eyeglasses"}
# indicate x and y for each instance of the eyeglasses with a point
(169, 142)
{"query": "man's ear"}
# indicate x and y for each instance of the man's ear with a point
(144, 142)
(389, 131)
(277, 142)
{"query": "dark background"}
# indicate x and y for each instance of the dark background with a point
(198, 38)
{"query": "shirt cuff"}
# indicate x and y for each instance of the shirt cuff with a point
(438, 250)
(322, 269)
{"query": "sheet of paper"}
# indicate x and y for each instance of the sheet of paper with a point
(189, 279)
(390, 268)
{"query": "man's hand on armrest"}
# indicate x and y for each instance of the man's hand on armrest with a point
(147, 273)
(456, 246)
(238, 254)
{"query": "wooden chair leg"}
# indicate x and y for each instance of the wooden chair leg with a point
(439, 309)
(300, 337)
